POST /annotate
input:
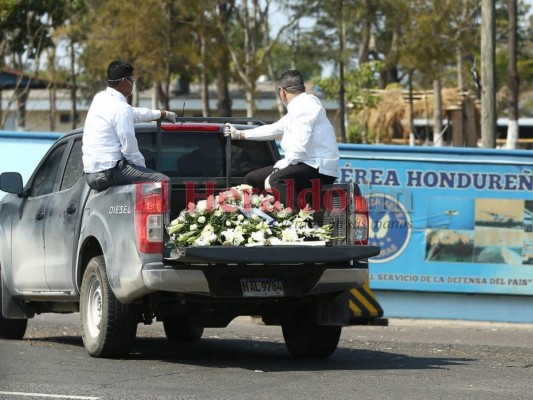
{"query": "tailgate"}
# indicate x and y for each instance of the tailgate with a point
(290, 254)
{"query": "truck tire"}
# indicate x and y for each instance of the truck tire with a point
(11, 328)
(305, 339)
(108, 327)
(182, 330)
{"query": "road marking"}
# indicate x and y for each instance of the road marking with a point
(50, 396)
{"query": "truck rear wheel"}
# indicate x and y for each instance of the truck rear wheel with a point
(108, 327)
(182, 330)
(305, 339)
(11, 328)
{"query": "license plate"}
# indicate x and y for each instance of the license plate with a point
(261, 287)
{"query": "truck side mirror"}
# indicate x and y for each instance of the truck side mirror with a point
(11, 182)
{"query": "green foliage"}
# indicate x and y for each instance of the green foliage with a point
(428, 41)
(163, 39)
(355, 133)
(27, 26)
(356, 85)
(286, 56)
(7, 7)
(154, 35)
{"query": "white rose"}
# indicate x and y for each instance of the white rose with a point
(201, 219)
(244, 188)
(238, 239)
(201, 205)
(289, 235)
(274, 241)
(229, 234)
(193, 227)
(258, 236)
(256, 200)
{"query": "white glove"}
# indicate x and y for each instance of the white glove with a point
(171, 116)
(230, 130)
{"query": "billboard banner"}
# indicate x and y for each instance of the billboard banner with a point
(447, 220)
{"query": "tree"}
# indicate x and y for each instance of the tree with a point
(223, 13)
(356, 83)
(246, 42)
(159, 43)
(428, 46)
(334, 31)
(23, 43)
(64, 28)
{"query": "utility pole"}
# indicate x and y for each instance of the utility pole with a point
(488, 86)
(512, 77)
(342, 91)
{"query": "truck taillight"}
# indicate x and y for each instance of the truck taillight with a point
(361, 220)
(151, 203)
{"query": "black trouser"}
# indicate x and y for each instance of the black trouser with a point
(123, 174)
(288, 184)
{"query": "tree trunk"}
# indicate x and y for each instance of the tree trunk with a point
(364, 47)
(273, 78)
(512, 77)
(155, 96)
(168, 66)
(412, 128)
(250, 100)
(438, 138)
(223, 98)
(22, 96)
(204, 78)
(270, 69)
(52, 94)
(342, 97)
(52, 98)
(223, 70)
(488, 86)
(73, 88)
(342, 104)
(460, 70)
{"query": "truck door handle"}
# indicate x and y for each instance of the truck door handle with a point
(39, 216)
(71, 209)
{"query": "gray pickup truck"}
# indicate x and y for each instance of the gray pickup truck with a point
(65, 248)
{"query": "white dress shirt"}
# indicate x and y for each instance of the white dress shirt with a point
(306, 136)
(109, 135)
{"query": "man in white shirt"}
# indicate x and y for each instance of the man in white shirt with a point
(111, 155)
(307, 139)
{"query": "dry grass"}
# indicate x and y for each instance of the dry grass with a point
(390, 118)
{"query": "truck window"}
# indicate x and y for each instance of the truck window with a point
(185, 154)
(249, 155)
(74, 168)
(45, 177)
(202, 154)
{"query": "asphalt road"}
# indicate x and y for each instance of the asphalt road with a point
(410, 359)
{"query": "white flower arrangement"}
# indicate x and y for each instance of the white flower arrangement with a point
(238, 217)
